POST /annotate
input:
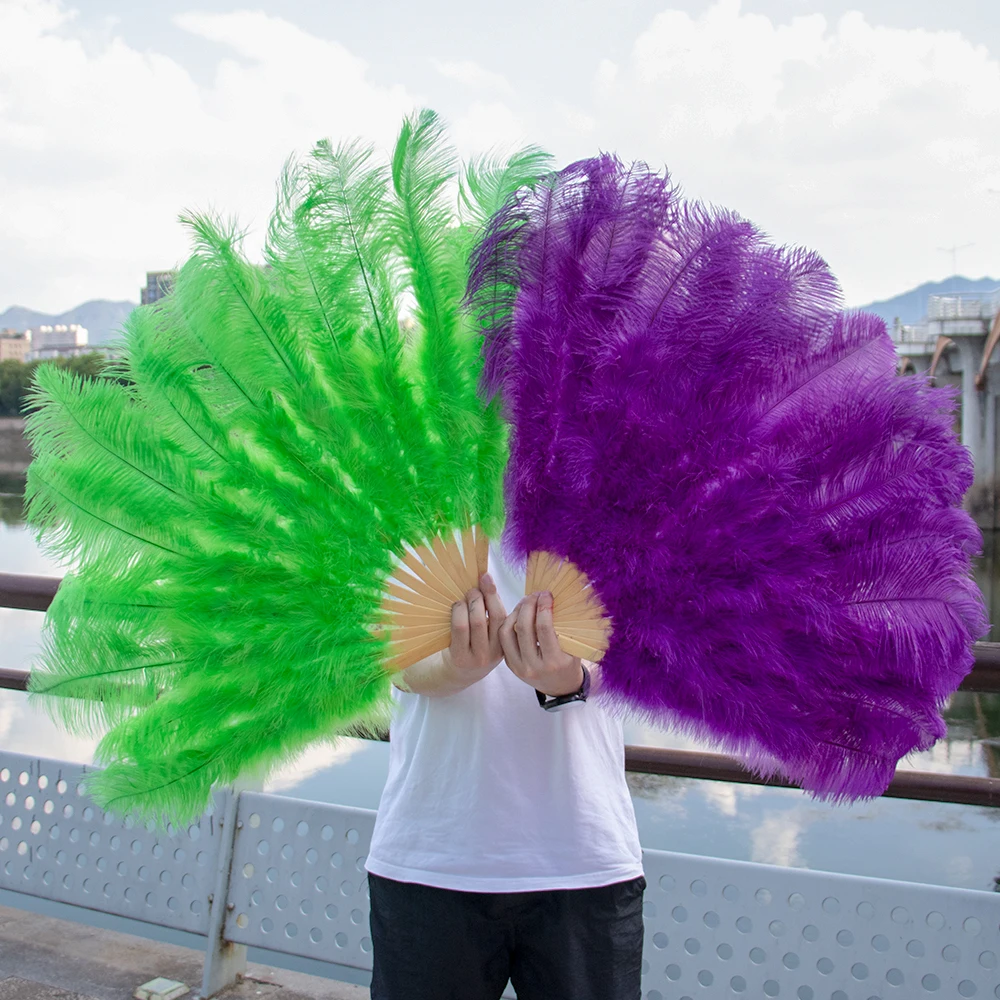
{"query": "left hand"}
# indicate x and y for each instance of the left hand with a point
(531, 648)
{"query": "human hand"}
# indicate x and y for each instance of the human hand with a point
(532, 651)
(474, 650)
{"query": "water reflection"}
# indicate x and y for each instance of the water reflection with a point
(888, 838)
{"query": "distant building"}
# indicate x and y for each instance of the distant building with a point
(158, 284)
(14, 345)
(63, 340)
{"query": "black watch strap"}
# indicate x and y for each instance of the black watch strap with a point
(557, 701)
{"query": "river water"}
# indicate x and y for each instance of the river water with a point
(889, 838)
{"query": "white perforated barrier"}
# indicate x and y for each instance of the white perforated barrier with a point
(54, 843)
(296, 885)
(298, 882)
(731, 929)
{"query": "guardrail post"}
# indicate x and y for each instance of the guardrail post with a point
(224, 961)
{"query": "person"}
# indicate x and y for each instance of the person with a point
(505, 845)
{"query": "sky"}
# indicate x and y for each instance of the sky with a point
(871, 135)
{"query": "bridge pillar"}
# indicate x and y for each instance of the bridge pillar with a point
(979, 428)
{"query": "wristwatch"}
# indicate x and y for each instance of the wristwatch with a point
(558, 702)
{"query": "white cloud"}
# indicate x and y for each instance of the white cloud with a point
(775, 840)
(102, 145)
(471, 74)
(874, 145)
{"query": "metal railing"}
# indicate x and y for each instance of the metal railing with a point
(964, 305)
(35, 593)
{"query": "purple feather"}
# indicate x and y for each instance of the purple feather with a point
(770, 515)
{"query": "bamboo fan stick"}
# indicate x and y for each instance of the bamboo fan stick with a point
(578, 614)
(417, 599)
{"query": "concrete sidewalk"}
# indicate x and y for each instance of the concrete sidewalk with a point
(42, 958)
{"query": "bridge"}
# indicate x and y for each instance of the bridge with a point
(956, 344)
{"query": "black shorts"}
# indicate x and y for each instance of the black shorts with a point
(557, 944)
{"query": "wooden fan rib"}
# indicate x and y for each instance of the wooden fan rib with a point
(413, 590)
(406, 633)
(583, 650)
(404, 655)
(431, 573)
(482, 544)
(400, 619)
(446, 564)
(469, 555)
(458, 563)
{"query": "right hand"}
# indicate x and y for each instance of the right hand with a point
(475, 645)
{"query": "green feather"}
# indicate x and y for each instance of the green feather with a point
(275, 437)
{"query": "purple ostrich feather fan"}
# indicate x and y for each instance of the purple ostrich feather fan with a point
(770, 514)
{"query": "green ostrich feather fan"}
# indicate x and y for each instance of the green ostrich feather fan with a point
(238, 491)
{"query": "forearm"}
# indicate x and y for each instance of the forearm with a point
(435, 675)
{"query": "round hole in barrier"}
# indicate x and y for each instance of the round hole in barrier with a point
(660, 940)
(972, 926)
(679, 913)
(738, 984)
(758, 956)
(692, 946)
(900, 915)
(831, 905)
(277, 824)
(22, 778)
(281, 901)
(352, 836)
(340, 940)
(744, 925)
(705, 977)
(771, 988)
(895, 977)
(915, 949)
(950, 953)
(331, 912)
(336, 860)
(931, 983)
(326, 833)
(699, 887)
(730, 893)
(845, 938)
(865, 910)
(935, 920)
(790, 960)
(248, 870)
(966, 988)
(242, 921)
(672, 972)
(724, 951)
(763, 896)
(315, 935)
(711, 919)
(824, 966)
(859, 970)
(667, 882)
(805, 993)
(302, 828)
(880, 943)
(267, 925)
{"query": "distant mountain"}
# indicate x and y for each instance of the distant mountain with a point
(911, 307)
(102, 318)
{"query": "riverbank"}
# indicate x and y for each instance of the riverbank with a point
(15, 456)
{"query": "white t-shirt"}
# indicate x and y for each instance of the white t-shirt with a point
(489, 793)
